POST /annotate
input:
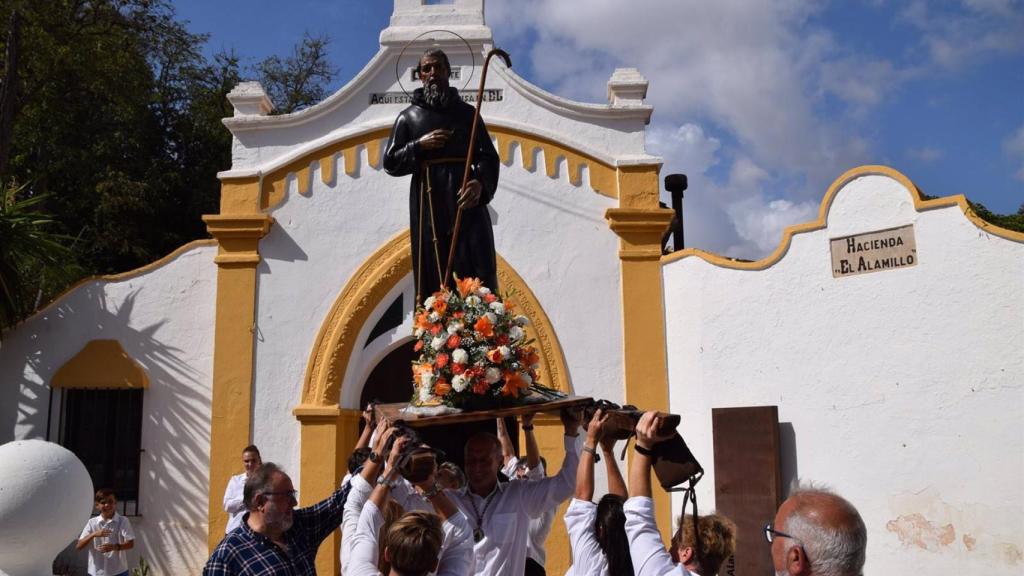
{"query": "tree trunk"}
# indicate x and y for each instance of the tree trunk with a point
(9, 92)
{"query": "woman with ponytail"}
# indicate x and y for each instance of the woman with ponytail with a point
(597, 532)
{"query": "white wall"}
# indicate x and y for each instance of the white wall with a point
(903, 387)
(176, 351)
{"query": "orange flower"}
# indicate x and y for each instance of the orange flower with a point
(458, 368)
(509, 306)
(442, 387)
(490, 298)
(418, 346)
(442, 360)
(435, 329)
(467, 285)
(480, 387)
(484, 327)
(440, 306)
(513, 384)
(453, 341)
(494, 355)
(528, 356)
(422, 322)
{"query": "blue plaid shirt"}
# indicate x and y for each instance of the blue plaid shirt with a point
(245, 553)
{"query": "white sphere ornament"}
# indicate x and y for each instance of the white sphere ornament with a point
(45, 500)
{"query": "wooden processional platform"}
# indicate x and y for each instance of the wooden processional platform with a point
(396, 411)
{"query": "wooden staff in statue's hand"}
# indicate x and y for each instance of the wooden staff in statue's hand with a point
(465, 203)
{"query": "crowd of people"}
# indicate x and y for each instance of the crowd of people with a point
(493, 515)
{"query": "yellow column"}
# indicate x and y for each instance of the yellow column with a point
(640, 223)
(238, 237)
(328, 435)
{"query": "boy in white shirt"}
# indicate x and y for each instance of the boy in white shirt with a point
(110, 535)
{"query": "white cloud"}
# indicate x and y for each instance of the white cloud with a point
(958, 34)
(1014, 147)
(926, 154)
(756, 101)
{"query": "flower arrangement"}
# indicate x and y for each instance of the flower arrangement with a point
(473, 351)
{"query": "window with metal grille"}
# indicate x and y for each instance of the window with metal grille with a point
(104, 429)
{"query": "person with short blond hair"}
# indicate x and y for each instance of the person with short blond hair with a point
(717, 543)
(413, 543)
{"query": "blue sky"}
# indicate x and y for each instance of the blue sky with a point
(762, 104)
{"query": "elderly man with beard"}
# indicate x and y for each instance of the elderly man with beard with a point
(430, 141)
(274, 538)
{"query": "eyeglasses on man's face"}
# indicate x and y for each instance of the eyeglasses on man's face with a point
(770, 533)
(291, 494)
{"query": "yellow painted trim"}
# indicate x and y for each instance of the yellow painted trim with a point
(101, 365)
(275, 183)
(640, 223)
(373, 280)
(238, 236)
(920, 205)
(604, 178)
(324, 431)
(120, 276)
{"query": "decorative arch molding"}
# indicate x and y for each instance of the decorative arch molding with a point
(379, 274)
(920, 205)
(274, 184)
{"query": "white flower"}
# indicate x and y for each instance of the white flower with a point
(526, 378)
(498, 307)
(516, 333)
(490, 316)
(460, 356)
(438, 342)
(492, 375)
(472, 300)
(429, 302)
(522, 320)
(427, 378)
(454, 327)
(418, 332)
(504, 351)
(483, 291)
(459, 383)
(433, 317)
(425, 393)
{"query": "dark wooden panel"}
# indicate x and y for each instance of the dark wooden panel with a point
(748, 481)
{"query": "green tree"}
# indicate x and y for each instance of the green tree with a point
(112, 113)
(1008, 221)
(31, 256)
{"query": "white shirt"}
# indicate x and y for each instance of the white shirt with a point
(506, 522)
(649, 555)
(456, 554)
(588, 558)
(234, 503)
(113, 562)
(539, 527)
(357, 497)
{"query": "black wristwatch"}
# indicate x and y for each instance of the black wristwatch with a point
(650, 453)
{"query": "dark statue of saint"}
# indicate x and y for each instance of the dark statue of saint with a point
(430, 140)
